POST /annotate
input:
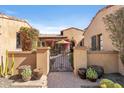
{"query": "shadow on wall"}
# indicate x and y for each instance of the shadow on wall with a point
(23, 58)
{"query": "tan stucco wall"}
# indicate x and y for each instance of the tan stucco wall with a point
(22, 58)
(76, 34)
(107, 59)
(97, 26)
(80, 58)
(8, 29)
(38, 59)
(43, 55)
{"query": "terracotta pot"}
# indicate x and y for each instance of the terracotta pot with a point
(82, 73)
(37, 73)
(26, 78)
(21, 68)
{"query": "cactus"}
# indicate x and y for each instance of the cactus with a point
(12, 66)
(4, 70)
(1, 71)
(6, 64)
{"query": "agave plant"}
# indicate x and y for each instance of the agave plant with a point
(91, 74)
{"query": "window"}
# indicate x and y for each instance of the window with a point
(97, 42)
(93, 43)
(82, 42)
(61, 32)
(43, 44)
(18, 41)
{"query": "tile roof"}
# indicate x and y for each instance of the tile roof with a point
(51, 35)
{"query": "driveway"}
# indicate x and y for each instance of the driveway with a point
(67, 80)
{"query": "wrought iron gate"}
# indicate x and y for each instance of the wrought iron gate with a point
(61, 63)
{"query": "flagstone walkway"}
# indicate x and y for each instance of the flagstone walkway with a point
(67, 80)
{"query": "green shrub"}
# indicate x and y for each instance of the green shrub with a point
(91, 73)
(106, 83)
(116, 85)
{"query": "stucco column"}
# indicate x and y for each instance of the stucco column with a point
(80, 58)
(121, 66)
(42, 59)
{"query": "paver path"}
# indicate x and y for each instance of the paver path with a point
(67, 80)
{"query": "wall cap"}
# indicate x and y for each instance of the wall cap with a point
(80, 48)
(43, 48)
(27, 52)
(20, 52)
(103, 52)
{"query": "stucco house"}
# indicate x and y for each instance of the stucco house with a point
(95, 36)
(74, 34)
(9, 36)
(69, 34)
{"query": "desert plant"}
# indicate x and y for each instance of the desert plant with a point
(12, 66)
(29, 38)
(98, 69)
(4, 70)
(91, 74)
(114, 23)
(6, 64)
(106, 83)
(1, 71)
(26, 74)
(116, 85)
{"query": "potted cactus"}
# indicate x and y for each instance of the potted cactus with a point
(26, 74)
(91, 74)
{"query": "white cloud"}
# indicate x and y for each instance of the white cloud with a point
(48, 29)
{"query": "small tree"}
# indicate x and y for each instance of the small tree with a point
(115, 24)
(29, 38)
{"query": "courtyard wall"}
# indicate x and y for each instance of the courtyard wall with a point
(109, 60)
(36, 59)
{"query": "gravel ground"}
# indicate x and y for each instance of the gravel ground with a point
(5, 83)
(67, 80)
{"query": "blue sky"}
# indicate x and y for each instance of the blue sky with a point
(53, 18)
